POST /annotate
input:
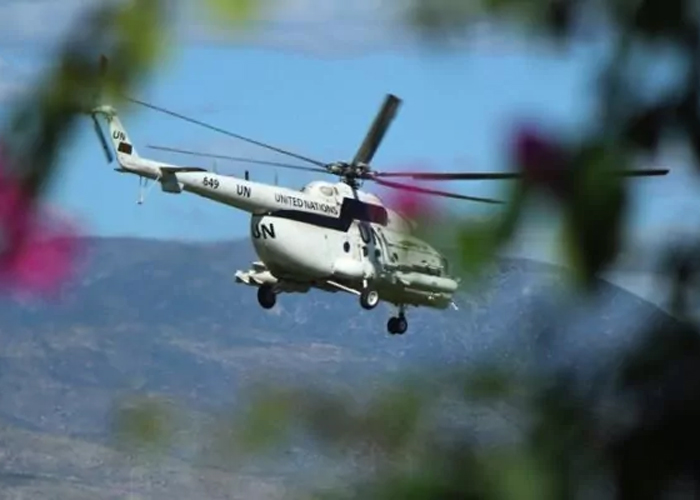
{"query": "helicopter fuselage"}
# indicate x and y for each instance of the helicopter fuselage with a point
(327, 236)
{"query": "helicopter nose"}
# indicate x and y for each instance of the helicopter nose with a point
(290, 245)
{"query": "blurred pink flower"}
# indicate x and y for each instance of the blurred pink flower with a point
(410, 202)
(542, 161)
(37, 251)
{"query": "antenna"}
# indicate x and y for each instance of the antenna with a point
(247, 175)
(276, 179)
(214, 167)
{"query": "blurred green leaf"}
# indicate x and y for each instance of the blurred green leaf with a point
(236, 12)
(440, 17)
(595, 214)
(515, 474)
(488, 383)
(45, 120)
(144, 423)
(478, 241)
(266, 422)
(393, 418)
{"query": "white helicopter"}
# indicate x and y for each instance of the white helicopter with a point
(330, 236)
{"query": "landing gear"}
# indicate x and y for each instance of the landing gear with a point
(266, 297)
(369, 298)
(398, 324)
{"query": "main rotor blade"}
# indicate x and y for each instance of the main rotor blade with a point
(226, 132)
(238, 158)
(478, 176)
(428, 176)
(445, 194)
(378, 129)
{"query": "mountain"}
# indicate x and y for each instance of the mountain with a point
(168, 318)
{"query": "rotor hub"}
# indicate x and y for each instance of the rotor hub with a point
(350, 172)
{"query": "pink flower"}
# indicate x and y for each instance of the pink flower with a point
(542, 161)
(410, 201)
(37, 251)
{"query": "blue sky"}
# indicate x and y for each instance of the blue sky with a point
(296, 89)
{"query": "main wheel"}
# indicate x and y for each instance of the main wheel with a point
(266, 297)
(369, 298)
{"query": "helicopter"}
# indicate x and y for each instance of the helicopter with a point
(330, 236)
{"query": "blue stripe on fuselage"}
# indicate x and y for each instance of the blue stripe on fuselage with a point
(350, 210)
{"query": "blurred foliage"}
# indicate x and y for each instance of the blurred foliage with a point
(631, 434)
(144, 424)
(129, 34)
(238, 12)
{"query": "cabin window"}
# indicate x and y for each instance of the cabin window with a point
(346, 247)
(367, 212)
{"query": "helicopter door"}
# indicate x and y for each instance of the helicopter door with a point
(365, 247)
(372, 248)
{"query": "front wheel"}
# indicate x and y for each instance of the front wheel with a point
(397, 325)
(369, 298)
(266, 297)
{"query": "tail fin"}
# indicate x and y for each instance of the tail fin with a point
(120, 139)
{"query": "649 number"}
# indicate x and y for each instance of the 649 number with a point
(210, 183)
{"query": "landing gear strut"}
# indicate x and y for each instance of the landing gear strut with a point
(266, 297)
(398, 324)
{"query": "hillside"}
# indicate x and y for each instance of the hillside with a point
(168, 318)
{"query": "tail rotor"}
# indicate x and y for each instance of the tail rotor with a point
(96, 108)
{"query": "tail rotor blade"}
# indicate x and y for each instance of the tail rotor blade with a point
(378, 130)
(103, 140)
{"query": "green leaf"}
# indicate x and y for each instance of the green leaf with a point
(479, 241)
(44, 121)
(488, 384)
(144, 423)
(595, 214)
(236, 12)
(393, 418)
(518, 475)
(266, 423)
